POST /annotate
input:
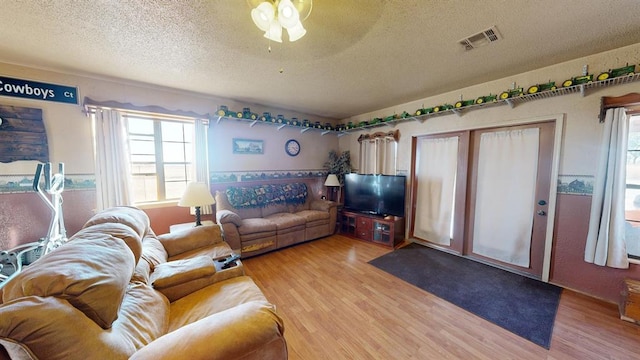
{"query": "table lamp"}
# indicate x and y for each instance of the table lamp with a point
(196, 195)
(332, 181)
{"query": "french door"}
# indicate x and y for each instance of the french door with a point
(497, 201)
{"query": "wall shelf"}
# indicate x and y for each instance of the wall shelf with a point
(583, 89)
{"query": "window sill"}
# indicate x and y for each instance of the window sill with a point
(157, 204)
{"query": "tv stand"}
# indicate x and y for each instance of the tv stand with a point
(384, 230)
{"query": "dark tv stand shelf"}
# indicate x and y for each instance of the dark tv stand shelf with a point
(384, 230)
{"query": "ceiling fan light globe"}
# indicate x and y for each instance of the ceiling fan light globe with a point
(296, 32)
(288, 15)
(274, 32)
(262, 15)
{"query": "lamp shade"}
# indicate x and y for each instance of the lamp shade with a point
(332, 180)
(196, 194)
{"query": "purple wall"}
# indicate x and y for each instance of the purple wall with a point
(568, 268)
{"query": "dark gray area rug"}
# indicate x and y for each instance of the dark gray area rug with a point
(524, 306)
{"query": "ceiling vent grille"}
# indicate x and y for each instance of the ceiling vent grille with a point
(481, 39)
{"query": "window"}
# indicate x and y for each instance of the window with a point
(632, 193)
(162, 160)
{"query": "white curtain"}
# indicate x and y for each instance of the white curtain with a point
(436, 169)
(201, 156)
(506, 182)
(113, 170)
(378, 156)
(606, 237)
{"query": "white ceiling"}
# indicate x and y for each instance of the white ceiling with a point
(357, 56)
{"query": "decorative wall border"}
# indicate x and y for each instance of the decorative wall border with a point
(575, 184)
(236, 176)
(10, 184)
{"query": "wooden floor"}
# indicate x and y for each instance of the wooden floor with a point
(337, 306)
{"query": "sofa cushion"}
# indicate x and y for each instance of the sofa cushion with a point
(313, 215)
(256, 225)
(153, 252)
(176, 272)
(118, 230)
(275, 209)
(91, 273)
(181, 241)
(60, 331)
(213, 299)
(286, 221)
(128, 215)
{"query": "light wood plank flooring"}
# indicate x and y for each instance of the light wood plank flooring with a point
(337, 306)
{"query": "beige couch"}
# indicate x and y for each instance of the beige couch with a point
(116, 291)
(252, 226)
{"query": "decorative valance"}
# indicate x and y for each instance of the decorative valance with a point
(149, 109)
(395, 135)
(631, 100)
(265, 195)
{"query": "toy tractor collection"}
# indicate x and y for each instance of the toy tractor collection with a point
(551, 85)
(584, 79)
(463, 103)
(486, 99)
(511, 93)
(625, 70)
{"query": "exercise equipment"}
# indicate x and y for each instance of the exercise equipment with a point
(12, 260)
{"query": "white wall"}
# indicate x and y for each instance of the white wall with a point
(582, 129)
(70, 136)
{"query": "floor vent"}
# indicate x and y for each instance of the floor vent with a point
(480, 39)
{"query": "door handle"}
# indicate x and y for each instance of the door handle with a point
(541, 212)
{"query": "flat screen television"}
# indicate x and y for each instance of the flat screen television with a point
(375, 194)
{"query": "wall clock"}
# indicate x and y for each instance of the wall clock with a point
(292, 147)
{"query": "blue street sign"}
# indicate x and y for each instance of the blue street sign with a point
(38, 90)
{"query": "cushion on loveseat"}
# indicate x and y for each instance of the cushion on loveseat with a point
(127, 215)
(60, 331)
(91, 273)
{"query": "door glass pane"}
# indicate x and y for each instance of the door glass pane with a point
(506, 184)
(632, 193)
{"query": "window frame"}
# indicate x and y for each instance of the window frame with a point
(159, 163)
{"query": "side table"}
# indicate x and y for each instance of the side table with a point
(179, 227)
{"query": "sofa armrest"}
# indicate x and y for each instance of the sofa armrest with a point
(228, 217)
(189, 239)
(248, 331)
(323, 205)
(180, 271)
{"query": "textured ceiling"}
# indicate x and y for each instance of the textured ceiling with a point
(357, 56)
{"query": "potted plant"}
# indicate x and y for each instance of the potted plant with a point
(339, 164)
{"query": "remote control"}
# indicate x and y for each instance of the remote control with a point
(230, 261)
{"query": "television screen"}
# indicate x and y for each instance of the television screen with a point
(375, 194)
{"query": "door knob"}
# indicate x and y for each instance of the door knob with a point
(541, 212)
(542, 202)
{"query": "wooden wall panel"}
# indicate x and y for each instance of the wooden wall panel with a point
(22, 135)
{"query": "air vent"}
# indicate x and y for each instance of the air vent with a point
(480, 39)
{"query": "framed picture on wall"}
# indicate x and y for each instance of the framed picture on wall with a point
(248, 146)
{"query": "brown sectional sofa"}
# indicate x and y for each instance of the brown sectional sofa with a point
(279, 215)
(118, 291)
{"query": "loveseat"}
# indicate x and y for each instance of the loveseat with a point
(261, 218)
(118, 291)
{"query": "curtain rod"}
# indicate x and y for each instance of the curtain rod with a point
(88, 102)
(610, 102)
